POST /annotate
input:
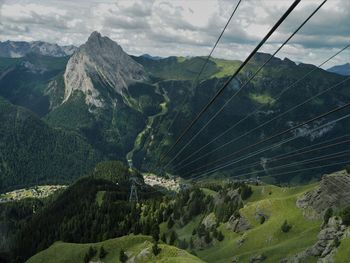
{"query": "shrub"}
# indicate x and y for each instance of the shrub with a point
(220, 236)
(345, 216)
(245, 191)
(348, 169)
(285, 227)
(327, 215)
(262, 220)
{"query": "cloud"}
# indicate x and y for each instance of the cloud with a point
(182, 27)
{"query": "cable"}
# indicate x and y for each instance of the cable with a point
(245, 84)
(195, 82)
(311, 160)
(267, 122)
(306, 169)
(219, 92)
(287, 130)
(200, 174)
(249, 115)
(294, 153)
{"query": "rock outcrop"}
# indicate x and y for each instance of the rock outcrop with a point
(333, 192)
(237, 223)
(100, 62)
(326, 244)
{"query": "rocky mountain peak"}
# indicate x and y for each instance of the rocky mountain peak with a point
(100, 61)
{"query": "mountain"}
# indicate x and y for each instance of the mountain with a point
(24, 81)
(31, 152)
(133, 108)
(341, 69)
(17, 49)
(100, 60)
(151, 57)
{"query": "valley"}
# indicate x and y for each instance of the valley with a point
(111, 157)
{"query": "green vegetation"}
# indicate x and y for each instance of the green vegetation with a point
(32, 152)
(342, 254)
(117, 248)
(345, 215)
(262, 98)
(285, 227)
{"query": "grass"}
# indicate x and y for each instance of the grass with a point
(99, 197)
(268, 239)
(343, 254)
(265, 99)
(226, 67)
(134, 246)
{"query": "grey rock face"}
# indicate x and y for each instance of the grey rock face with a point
(333, 192)
(100, 60)
(237, 224)
(325, 246)
(16, 49)
(257, 259)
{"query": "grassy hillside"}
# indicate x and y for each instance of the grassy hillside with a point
(267, 238)
(139, 247)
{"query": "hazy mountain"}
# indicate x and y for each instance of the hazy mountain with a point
(17, 49)
(341, 69)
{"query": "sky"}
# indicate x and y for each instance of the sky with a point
(184, 27)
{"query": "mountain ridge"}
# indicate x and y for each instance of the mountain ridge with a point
(17, 49)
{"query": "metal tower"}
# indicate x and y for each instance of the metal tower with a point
(133, 191)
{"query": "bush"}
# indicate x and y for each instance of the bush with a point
(348, 169)
(327, 215)
(285, 227)
(220, 236)
(245, 191)
(122, 256)
(262, 220)
(345, 216)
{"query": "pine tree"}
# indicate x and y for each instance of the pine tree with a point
(155, 231)
(173, 238)
(155, 249)
(163, 238)
(122, 256)
(170, 223)
(102, 253)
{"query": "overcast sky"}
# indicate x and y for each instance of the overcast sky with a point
(186, 28)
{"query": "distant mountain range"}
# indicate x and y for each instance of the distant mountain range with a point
(17, 49)
(341, 69)
(132, 108)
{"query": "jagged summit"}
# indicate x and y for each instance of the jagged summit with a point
(100, 61)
